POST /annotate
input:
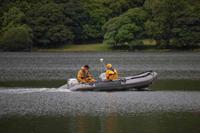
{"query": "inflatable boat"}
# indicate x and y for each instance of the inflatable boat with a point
(137, 82)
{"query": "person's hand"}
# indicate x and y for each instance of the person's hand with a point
(83, 82)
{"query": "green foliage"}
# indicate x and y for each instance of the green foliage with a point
(16, 39)
(125, 28)
(172, 24)
(128, 33)
(60, 34)
(136, 45)
(15, 35)
(41, 19)
(13, 15)
(12, 18)
(153, 29)
(74, 10)
(49, 25)
(100, 11)
(57, 23)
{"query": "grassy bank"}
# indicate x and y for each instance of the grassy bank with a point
(149, 45)
(98, 47)
(79, 48)
(158, 85)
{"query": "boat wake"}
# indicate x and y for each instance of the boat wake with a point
(31, 90)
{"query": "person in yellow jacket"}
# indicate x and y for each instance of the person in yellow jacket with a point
(84, 75)
(111, 73)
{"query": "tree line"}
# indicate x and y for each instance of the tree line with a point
(25, 24)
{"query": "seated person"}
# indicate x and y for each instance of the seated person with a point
(84, 76)
(111, 73)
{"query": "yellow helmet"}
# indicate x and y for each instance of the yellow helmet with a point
(109, 66)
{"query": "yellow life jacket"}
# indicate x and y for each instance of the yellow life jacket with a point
(85, 77)
(111, 74)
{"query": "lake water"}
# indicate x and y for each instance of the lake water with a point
(34, 66)
(112, 123)
(33, 104)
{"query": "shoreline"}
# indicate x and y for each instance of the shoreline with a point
(100, 47)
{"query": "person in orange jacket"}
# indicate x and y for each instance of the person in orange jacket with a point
(111, 73)
(84, 75)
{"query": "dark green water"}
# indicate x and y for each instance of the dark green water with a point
(111, 123)
(167, 84)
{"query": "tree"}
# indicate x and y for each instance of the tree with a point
(60, 34)
(18, 38)
(75, 11)
(169, 22)
(172, 23)
(154, 30)
(100, 11)
(126, 28)
(13, 17)
(16, 35)
(47, 22)
(98, 14)
(188, 31)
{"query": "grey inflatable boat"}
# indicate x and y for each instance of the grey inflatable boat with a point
(137, 82)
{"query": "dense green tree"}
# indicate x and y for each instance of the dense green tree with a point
(16, 39)
(15, 34)
(47, 22)
(188, 28)
(100, 11)
(60, 34)
(98, 14)
(13, 17)
(169, 22)
(75, 11)
(126, 28)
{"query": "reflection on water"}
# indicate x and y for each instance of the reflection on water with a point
(111, 123)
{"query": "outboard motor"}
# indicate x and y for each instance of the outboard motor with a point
(72, 81)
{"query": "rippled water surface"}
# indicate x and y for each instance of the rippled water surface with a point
(55, 110)
(25, 109)
(30, 66)
(41, 102)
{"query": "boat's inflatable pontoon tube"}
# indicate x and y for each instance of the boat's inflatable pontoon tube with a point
(138, 82)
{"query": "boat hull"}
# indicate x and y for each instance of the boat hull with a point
(137, 82)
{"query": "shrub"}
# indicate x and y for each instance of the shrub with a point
(136, 44)
(17, 38)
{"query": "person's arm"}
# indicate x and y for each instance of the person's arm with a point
(116, 74)
(90, 77)
(108, 74)
(80, 77)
